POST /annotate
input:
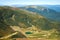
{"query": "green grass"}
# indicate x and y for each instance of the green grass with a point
(27, 19)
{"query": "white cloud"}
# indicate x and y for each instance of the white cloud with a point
(29, 2)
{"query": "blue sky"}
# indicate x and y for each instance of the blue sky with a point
(30, 2)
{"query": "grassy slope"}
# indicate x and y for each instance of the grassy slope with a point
(23, 19)
(44, 11)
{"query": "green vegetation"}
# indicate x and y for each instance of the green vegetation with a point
(28, 21)
(28, 32)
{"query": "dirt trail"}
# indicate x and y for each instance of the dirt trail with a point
(16, 28)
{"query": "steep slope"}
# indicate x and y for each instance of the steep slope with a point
(5, 30)
(44, 11)
(22, 21)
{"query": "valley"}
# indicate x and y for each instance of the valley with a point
(28, 23)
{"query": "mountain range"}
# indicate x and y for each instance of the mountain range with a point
(47, 11)
(29, 21)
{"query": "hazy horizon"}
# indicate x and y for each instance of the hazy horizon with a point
(29, 2)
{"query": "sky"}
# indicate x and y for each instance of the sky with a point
(30, 2)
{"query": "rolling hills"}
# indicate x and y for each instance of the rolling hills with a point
(28, 24)
(54, 7)
(45, 11)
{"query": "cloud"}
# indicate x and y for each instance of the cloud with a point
(29, 2)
